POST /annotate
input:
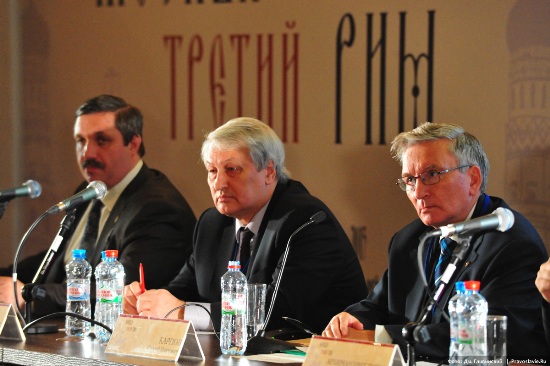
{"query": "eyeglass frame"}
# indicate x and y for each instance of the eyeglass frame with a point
(403, 186)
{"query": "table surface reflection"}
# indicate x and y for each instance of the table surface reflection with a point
(58, 349)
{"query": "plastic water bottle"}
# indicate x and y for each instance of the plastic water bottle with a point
(472, 325)
(79, 272)
(453, 316)
(109, 276)
(233, 335)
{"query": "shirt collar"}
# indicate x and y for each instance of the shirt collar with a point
(455, 237)
(114, 193)
(254, 224)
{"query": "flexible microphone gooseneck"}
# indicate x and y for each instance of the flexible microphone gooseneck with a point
(259, 343)
(32, 291)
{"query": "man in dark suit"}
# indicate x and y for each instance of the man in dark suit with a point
(543, 284)
(143, 215)
(444, 174)
(250, 187)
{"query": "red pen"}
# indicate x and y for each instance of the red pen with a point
(141, 278)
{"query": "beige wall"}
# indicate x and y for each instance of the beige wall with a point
(73, 50)
(8, 91)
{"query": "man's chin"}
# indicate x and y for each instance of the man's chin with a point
(224, 210)
(429, 220)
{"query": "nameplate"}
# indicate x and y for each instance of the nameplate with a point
(10, 328)
(161, 339)
(331, 351)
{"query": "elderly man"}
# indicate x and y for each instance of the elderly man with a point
(444, 174)
(250, 187)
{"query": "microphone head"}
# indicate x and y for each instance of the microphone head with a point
(505, 219)
(318, 217)
(100, 188)
(35, 189)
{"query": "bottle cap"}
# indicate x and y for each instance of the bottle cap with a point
(460, 286)
(234, 264)
(472, 285)
(79, 253)
(111, 253)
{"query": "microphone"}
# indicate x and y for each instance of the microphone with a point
(501, 219)
(30, 188)
(94, 190)
(259, 343)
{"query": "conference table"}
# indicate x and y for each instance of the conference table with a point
(58, 349)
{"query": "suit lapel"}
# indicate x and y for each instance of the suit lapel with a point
(265, 237)
(417, 296)
(105, 238)
(227, 247)
(469, 259)
(261, 251)
(483, 207)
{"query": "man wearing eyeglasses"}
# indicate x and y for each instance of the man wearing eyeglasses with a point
(444, 175)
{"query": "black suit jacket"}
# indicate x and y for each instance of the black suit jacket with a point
(322, 273)
(505, 263)
(151, 223)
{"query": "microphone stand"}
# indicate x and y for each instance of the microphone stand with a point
(416, 332)
(260, 343)
(33, 291)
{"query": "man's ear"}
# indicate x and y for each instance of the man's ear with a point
(135, 143)
(271, 173)
(475, 179)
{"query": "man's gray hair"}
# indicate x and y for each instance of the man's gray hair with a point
(466, 148)
(258, 138)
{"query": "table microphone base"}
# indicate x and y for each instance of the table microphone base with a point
(42, 328)
(260, 345)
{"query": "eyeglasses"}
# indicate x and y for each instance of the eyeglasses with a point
(428, 178)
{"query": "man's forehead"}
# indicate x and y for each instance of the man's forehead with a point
(97, 123)
(223, 156)
(224, 161)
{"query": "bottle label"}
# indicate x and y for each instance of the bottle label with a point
(108, 295)
(78, 291)
(465, 336)
(234, 306)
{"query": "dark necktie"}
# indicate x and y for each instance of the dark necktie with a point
(447, 247)
(244, 236)
(89, 237)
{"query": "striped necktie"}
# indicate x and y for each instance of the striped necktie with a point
(447, 247)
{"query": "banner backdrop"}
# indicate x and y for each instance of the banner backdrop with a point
(337, 80)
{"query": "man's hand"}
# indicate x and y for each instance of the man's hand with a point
(339, 324)
(153, 303)
(6, 292)
(131, 294)
(543, 280)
